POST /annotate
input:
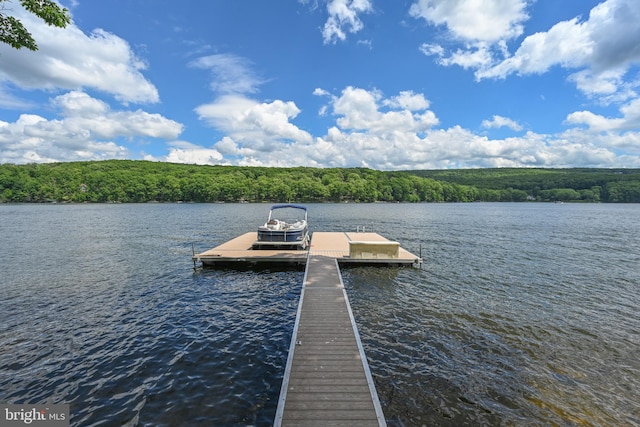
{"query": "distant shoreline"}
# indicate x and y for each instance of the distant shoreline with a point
(138, 181)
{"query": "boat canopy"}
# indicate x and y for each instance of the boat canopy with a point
(288, 206)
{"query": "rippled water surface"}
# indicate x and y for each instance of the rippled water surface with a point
(523, 314)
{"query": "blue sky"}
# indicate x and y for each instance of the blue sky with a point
(389, 85)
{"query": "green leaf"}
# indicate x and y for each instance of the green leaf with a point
(49, 11)
(13, 33)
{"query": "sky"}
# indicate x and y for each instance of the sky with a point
(382, 84)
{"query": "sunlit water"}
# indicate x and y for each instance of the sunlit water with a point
(523, 314)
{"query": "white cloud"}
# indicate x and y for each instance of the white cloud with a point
(83, 113)
(566, 43)
(359, 109)
(321, 92)
(408, 100)
(185, 152)
(478, 56)
(613, 27)
(34, 139)
(70, 59)
(86, 131)
(230, 73)
(393, 133)
(594, 121)
(344, 16)
(601, 48)
(431, 49)
(500, 121)
(598, 51)
(252, 128)
(472, 20)
(400, 139)
(602, 84)
(254, 123)
(481, 27)
(398, 132)
(630, 119)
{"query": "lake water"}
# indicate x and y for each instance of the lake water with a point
(522, 314)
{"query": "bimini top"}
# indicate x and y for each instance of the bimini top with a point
(288, 205)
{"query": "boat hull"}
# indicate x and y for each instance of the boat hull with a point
(294, 239)
(280, 236)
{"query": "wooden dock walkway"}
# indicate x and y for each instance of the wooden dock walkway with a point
(327, 380)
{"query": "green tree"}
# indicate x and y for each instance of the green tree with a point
(560, 195)
(624, 192)
(13, 33)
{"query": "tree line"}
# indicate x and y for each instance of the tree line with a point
(130, 181)
(576, 184)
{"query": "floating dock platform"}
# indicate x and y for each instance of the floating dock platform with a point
(345, 247)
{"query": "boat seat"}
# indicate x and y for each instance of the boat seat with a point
(373, 249)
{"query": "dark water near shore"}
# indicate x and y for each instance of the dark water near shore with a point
(523, 314)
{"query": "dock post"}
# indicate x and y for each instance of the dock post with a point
(193, 256)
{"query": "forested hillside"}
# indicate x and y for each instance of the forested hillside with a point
(128, 181)
(591, 185)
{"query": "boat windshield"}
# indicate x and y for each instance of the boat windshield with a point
(288, 213)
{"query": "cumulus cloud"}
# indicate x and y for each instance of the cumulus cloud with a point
(471, 20)
(482, 30)
(87, 130)
(604, 85)
(255, 123)
(477, 57)
(457, 147)
(186, 152)
(392, 132)
(357, 141)
(249, 124)
(360, 109)
(408, 100)
(35, 139)
(566, 43)
(500, 121)
(613, 27)
(100, 60)
(600, 49)
(344, 16)
(630, 119)
(82, 112)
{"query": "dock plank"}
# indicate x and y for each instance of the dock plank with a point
(327, 379)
